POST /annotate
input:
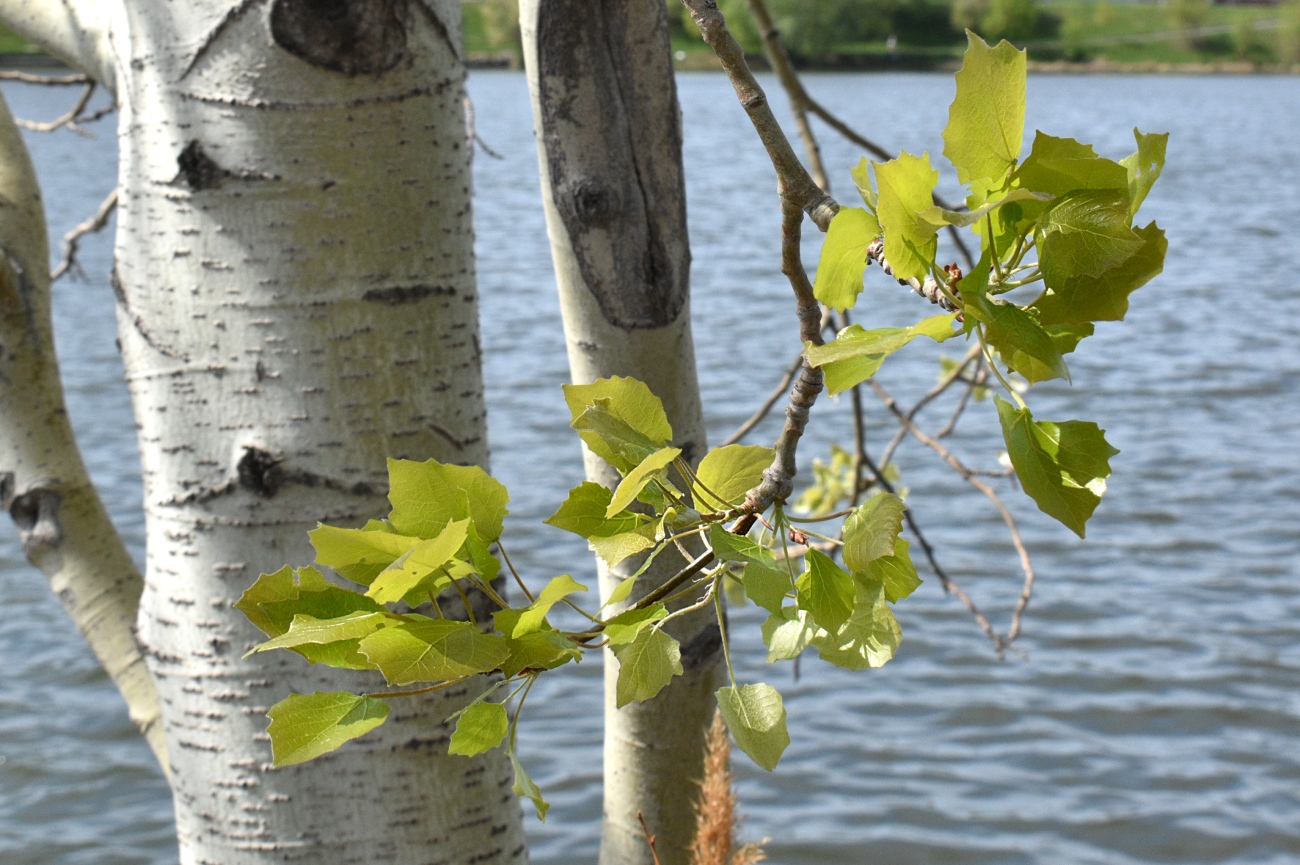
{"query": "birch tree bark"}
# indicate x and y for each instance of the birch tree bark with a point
(296, 302)
(44, 485)
(609, 141)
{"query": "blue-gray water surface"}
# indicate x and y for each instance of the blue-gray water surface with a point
(1157, 715)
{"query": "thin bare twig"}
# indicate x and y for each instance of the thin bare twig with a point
(53, 80)
(953, 376)
(970, 478)
(977, 380)
(68, 119)
(72, 240)
(649, 839)
(757, 417)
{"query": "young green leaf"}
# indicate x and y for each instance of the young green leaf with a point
(1022, 342)
(626, 626)
(728, 473)
(533, 617)
(638, 478)
(1144, 166)
(825, 591)
(986, 120)
(844, 257)
(636, 416)
(544, 649)
(1062, 467)
(420, 561)
(615, 548)
(1085, 234)
(896, 573)
(1081, 299)
(1062, 165)
(869, 638)
(479, 729)
(738, 548)
(755, 715)
(786, 633)
(524, 787)
(428, 495)
(304, 726)
(275, 599)
(1067, 337)
(645, 666)
(358, 554)
(907, 188)
(307, 629)
(871, 531)
(964, 219)
(433, 650)
(766, 586)
(856, 354)
(861, 174)
(621, 593)
(583, 513)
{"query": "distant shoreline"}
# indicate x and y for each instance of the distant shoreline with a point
(704, 62)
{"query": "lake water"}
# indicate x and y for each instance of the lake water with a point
(1157, 715)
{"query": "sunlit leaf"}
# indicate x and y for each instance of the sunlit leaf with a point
(896, 572)
(479, 729)
(738, 548)
(786, 633)
(620, 420)
(532, 618)
(428, 495)
(1081, 299)
(1144, 166)
(869, 638)
(525, 788)
(1062, 165)
(844, 257)
(583, 513)
(766, 586)
(907, 188)
(358, 554)
(433, 650)
(755, 715)
(407, 572)
(638, 478)
(825, 591)
(645, 666)
(1085, 234)
(856, 354)
(730, 472)
(871, 531)
(304, 726)
(986, 120)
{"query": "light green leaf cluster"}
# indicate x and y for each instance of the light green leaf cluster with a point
(856, 354)
(304, 726)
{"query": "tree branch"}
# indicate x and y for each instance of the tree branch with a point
(74, 31)
(72, 240)
(44, 484)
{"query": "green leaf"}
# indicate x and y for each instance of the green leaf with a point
(1082, 299)
(1062, 467)
(626, 626)
(638, 478)
(755, 715)
(544, 649)
(786, 633)
(871, 635)
(766, 586)
(907, 188)
(896, 572)
(871, 531)
(738, 548)
(618, 418)
(480, 728)
(964, 219)
(274, 599)
(862, 180)
(433, 650)
(1085, 234)
(1022, 342)
(1067, 337)
(856, 354)
(308, 629)
(304, 726)
(1144, 166)
(407, 572)
(844, 257)
(1062, 165)
(621, 592)
(616, 548)
(533, 617)
(428, 495)
(645, 666)
(825, 591)
(524, 787)
(730, 472)
(986, 121)
(583, 513)
(358, 554)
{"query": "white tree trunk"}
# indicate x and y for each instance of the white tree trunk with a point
(609, 138)
(296, 302)
(44, 485)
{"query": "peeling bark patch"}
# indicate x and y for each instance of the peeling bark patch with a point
(622, 200)
(399, 294)
(260, 473)
(36, 514)
(355, 37)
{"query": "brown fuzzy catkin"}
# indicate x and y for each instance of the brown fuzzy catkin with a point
(715, 810)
